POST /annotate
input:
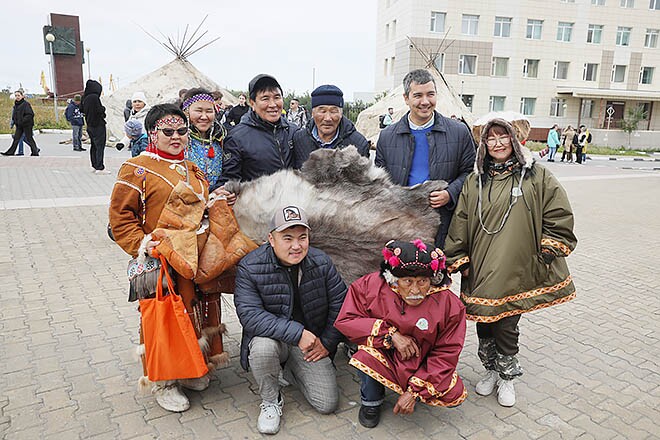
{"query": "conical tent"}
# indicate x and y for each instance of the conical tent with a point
(159, 86)
(448, 104)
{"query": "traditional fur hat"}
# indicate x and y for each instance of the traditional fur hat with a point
(411, 259)
(521, 152)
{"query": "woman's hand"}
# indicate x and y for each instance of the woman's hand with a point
(231, 197)
(151, 245)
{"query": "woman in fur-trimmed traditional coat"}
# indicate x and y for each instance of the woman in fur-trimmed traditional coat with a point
(144, 184)
(511, 232)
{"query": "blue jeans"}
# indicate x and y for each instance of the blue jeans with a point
(372, 392)
(553, 151)
(20, 145)
(76, 136)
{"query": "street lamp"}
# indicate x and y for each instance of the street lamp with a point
(50, 38)
(89, 67)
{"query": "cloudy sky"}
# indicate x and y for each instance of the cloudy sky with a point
(288, 39)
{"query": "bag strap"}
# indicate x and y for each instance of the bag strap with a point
(170, 283)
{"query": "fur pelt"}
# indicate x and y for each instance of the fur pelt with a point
(352, 206)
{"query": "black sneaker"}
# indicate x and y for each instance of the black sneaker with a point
(369, 416)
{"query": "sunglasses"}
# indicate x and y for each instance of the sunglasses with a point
(169, 132)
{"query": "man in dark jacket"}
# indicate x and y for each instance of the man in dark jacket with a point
(23, 119)
(287, 298)
(261, 143)
(424, 145)
(75, 118)
(329, 128)
(95, 117)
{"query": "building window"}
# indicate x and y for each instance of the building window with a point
(527, 106)
(587, 109)
(651, 38)
(560, 70)
(623, 36)
(530, 68)
(627, 3)
(496, 103)
(567, 1)
(392, 65)
(385, 63)
(470, 24)
(564, 31)
(618, 73)
(393, 29)
(646, 75)
(439, 61)
(594, 33)
(438, 21)
(534, 29)
(598, 2)
(387, 32)
(654, 4)
(557, 107)
(500, 66)
(590, 72)
(502, 27)
(467, 100)
(467, 64)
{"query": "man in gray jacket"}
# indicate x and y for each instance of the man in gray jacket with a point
(287, 298)
(424, 145)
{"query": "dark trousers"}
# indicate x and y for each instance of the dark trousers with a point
(567, 153)
(97, 137)
(29, 139)
(443, 229)
(372, 392)
(505, 332)
(578, 154)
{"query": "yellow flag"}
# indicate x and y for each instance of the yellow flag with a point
(43, 83)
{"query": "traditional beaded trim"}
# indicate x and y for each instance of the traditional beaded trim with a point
(196, 98)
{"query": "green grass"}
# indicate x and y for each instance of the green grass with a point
(44, 115)
(595, 150)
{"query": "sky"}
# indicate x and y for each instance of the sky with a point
(289, 39)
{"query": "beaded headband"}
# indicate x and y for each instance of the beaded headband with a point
(168, 121)
(195, 98)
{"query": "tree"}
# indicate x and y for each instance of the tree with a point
(630, 123)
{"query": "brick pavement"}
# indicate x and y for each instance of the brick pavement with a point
(67, 333)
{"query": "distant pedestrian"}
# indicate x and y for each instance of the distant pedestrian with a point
(233, 116)
(139, 110)
(583, 141)
(95, 117)
(553, 142)
(20, 142)
(567, 140)
(296, 114)
(23, 118)
(75, 118)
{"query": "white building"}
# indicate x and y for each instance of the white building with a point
(557, 61)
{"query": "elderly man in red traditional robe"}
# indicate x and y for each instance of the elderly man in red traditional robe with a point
(410, 330)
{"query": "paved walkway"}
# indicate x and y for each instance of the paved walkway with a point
(67, 333)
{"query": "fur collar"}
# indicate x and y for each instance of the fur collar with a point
(522, 153)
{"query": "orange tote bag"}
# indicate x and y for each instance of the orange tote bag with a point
(171, 348)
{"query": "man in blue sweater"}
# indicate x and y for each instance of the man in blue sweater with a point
(424, 145)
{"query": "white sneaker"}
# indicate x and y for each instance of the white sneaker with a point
(506, 394)
(269, 417)
(487, 383)
(170, 398)
(198, 384)
(101, 172)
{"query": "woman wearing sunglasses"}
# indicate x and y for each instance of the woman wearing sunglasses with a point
(510, 234)
(140, 195)
(206, 136)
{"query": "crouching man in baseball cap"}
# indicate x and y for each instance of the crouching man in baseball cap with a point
(287, 298)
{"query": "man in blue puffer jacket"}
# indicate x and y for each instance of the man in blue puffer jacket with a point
(262, 142)
(287, 298)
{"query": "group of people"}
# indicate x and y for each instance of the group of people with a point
(573, 141)
(505, 224)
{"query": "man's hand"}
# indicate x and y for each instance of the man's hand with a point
(231, 197)
(405, 404)
(317, 352)
(306, 342)
(438, 199)
(405, 345)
